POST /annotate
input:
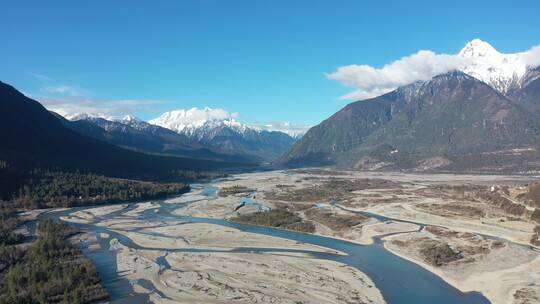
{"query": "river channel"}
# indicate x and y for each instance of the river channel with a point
(400, 281)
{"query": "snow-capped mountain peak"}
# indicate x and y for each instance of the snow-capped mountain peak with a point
(200, 121)
(129, 118)
(134, 122)
(504, 72)
(478, 48)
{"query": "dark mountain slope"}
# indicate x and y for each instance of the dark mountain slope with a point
(262, 146)
(31, 136)
(529, 95)
(455, 114)
(348, 128)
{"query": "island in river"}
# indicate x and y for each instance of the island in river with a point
(376, 238)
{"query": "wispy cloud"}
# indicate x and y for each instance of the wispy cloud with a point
(71, 101)
(70, 107)
(40, 77)
(48, 85)
(294, 130)
(66, 90)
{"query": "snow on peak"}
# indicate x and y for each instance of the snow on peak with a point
(189, 121)
(129, 118)
(504, 72)
(134, 122)
(478, 48)
(83, 116)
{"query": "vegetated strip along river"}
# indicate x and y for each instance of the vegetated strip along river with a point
(400, 281)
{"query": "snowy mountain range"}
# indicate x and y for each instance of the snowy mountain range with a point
(201, 123)
(220, 129)
(205, 133)
(134, 134)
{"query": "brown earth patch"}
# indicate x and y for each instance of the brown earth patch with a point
(336, 222)
(329, 190)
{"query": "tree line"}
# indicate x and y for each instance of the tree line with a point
(50, 270)
(48, 189)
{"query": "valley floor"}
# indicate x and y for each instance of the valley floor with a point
(456, 226)
(463, 228)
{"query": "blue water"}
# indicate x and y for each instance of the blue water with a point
(400, 281)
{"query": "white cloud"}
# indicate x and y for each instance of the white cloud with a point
(51, 86)
(70, 107)
(195, 114)
(371, 81)
(532, 57)
(477, 58)
(362, 94)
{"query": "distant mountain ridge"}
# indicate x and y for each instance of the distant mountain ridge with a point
(226, 134)
(196, 123)
(134, 134)
(191, 133)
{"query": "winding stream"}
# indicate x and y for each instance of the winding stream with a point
(400, 281)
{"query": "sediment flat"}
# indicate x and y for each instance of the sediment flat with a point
(438, 221)
(495, 255)
(206, 263)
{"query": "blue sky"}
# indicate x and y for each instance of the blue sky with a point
(263, 59)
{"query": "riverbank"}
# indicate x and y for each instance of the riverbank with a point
(500, 286)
